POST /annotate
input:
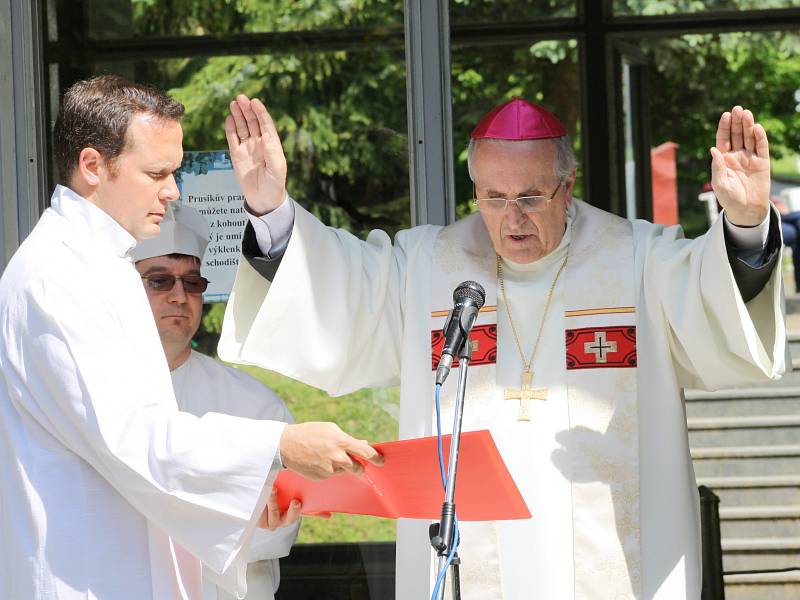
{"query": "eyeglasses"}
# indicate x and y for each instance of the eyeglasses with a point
(527, 204)
(192, 284)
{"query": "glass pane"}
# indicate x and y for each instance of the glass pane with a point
(671, 7)
(367, 414)
(341, 117)
(695, 78)
(629, 155)
(545, 72)
(342, 120)
(108, 19)
(494, 11)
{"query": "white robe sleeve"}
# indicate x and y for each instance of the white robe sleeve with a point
(716, 340)
(204, 385)
(200, 480)
(332, 317)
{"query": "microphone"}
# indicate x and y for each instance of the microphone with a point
(468, 298)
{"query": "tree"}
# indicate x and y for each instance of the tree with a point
(342, 114)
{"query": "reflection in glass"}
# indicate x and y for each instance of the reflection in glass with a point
(507, 11)
(696, 77)
(156, 18)
(671, 7)
(545, 72)
(341, 117)
(629, 151)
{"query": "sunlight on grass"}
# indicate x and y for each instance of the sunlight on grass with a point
(370, 414)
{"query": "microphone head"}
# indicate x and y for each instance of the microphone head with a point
(470, 290)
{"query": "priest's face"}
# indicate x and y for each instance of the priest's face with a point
(177, 313)
(512, 169)
(137, 186)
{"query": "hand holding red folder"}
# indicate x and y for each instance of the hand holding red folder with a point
(409, 484)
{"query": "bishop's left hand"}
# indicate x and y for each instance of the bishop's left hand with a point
(740, 168)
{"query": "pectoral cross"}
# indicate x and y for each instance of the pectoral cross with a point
(525, 394)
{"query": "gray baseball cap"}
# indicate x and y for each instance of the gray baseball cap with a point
(183, 231)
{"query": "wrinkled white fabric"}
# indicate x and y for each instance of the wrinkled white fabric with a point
(107, 491)
(342, 314)
(204, 385)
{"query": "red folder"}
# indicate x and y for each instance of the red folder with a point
(409, 484)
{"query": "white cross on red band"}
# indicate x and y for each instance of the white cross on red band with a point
(601, 347)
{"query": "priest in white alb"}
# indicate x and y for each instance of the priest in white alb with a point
(107, 490)
(170, 265)
(592, 326)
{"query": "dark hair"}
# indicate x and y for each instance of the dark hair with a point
(95, 113)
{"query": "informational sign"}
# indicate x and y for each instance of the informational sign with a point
(208, 184)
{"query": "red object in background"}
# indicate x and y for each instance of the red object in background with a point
(409, 484)
(665, 184)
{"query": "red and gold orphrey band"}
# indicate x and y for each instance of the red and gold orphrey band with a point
(601, 347)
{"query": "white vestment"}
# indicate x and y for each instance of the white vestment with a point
(107, 490)
(373, 302)
(204, 385)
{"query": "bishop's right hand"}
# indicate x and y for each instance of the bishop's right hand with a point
(318, 450)
(257, 154)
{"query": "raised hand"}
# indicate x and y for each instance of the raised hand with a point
(257, 154)
(740, 168)
(318, 450)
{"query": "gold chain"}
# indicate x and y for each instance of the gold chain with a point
(527, 364)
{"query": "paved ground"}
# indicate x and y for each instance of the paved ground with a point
(793, 313)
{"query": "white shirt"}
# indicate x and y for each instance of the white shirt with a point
(107, 491)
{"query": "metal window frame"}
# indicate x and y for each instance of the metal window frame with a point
(430, 120)
(595, 27)
(23, 182)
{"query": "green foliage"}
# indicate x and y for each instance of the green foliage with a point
(369, 414)
(221, 17)
(207, 336)
(483, 11)
(697, 77)
(671, 7)
(341, 114)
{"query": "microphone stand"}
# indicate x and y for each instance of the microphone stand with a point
(442, 533)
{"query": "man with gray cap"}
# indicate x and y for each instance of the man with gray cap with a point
(169, 264)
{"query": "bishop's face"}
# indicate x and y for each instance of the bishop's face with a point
(510, 169)
(177, 313)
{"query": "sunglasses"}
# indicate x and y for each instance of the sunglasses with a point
(192, 284)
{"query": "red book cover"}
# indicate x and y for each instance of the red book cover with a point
(409, 484)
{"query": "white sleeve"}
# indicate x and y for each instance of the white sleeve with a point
(203, 481)
(716, 340)
(748, 238)
(333, 315)
(748, 243)
(273, 229)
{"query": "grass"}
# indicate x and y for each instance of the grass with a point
(786, 166)
(370, 414)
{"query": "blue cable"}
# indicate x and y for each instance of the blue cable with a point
(439, 435)
(452, 553)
